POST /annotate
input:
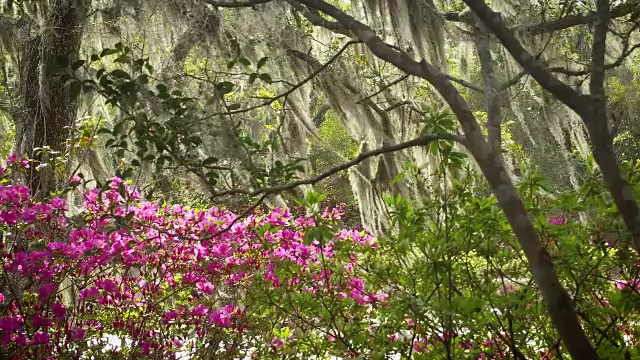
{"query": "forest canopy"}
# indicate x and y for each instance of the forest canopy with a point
(423, 179)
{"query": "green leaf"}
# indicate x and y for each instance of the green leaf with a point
(262, 62)
(107, 52)
(77, 64)
(266, 78)
(210, 161)
(231, 64)
(234, 107)
(120, 74)
(225, 87)
(244, 61)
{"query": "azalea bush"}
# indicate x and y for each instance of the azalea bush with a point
(125, 278)
(121, 277)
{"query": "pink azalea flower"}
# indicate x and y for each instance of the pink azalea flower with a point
(41, 337)
(45, 291)
(77, 334)
(276, 343)
(58, 311)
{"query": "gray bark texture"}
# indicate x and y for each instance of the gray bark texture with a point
(46, 114)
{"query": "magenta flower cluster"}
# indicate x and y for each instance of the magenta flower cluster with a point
(157, 276)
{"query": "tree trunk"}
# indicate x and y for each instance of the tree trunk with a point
(558, 302)
(591, 108)
(47, 113)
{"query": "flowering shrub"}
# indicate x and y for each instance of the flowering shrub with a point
(127, 278)
(159, 278)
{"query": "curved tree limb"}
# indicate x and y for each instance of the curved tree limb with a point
(569, 21)
(558, 301)
(420, 141)
(236, 4)
(590, 108)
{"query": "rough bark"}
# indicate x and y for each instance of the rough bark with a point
(559, 303)
(47, 113)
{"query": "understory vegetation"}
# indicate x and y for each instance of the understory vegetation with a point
(319, 179)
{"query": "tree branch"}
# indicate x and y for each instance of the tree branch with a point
(491, 89)
(579, 19)
(509, 83)
(236, 4)
(318, 20)
(464, 83)
(319, 118)
(587, 71)
(399, 80)
(558, 301)
(576, 101)
(596, 84)
(297, 86)
(420, 141)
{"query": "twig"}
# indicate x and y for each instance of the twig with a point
(402, 78)
(464, 83)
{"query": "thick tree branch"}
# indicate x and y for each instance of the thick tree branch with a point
(579, 19)
(420, 141)
(236, 4)
(558, 301)
(576, 101)
(598, 50)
